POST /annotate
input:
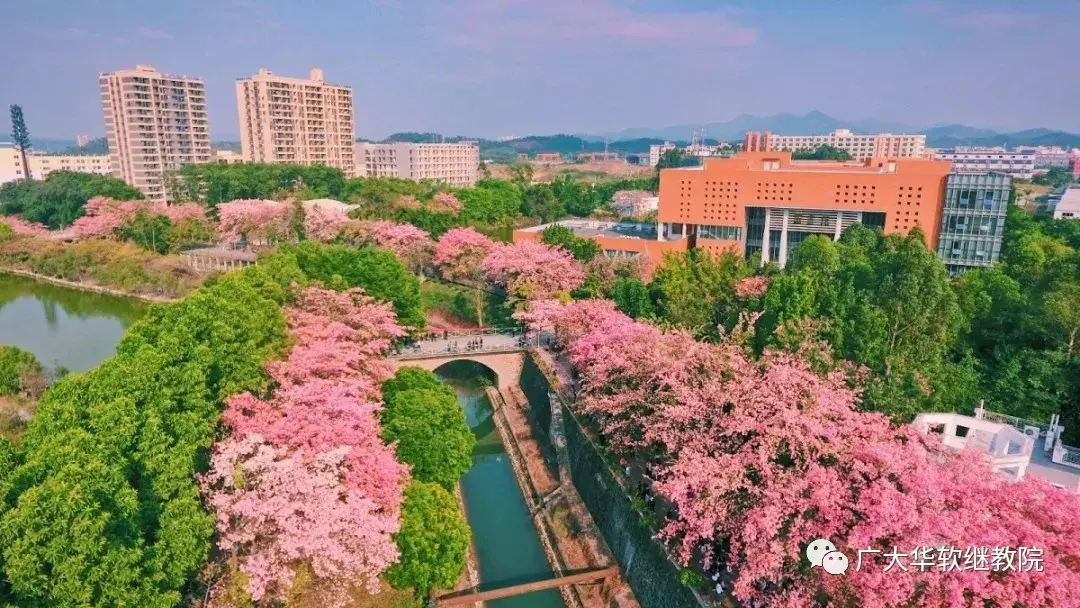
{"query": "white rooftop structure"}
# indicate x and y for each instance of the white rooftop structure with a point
(1015, 447)
(1065, 203)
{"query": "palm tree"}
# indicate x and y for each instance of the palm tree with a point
(21, 136)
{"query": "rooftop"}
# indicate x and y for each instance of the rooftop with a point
(617, 230)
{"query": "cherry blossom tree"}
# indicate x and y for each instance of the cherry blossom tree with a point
(446, 202)
(761, 456)
(320, 428)
(410, 244)
(179, 213)
(255, 220)
(532, 270)
(751, 287)
(459, 255)
(322, 224)
(281, 510)
(103, 216)
(21, 227)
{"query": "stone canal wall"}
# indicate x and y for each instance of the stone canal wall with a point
(644, 561)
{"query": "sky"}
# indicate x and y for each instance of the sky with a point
(494, 68)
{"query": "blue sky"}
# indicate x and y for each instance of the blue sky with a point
(502, 67)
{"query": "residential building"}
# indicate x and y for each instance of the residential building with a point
(657, 151)
(456, 164)
(41, 165)
(156, 124)
(765, 203)
(1013, 446)
(973, 220)
(305, 121)
(974, 160)
(1074, 165)
(1065, 203)
(860, 147)
(1048, 157)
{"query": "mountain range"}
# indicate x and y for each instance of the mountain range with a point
(816, 122)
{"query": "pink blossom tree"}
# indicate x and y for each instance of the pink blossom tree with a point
(410, 244)
(459, 255)
(531, 270)
(751, 287)
(103, 216)
(280, 511)
(303, 477)
(446, 202)
(760, 457)
(322, 224)
(179, 213)
(256, 220)
(21, 227)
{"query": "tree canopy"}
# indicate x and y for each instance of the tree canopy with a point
(58, 200)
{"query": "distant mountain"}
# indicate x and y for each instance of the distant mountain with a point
(960, 135)
(734, 129)
(42, 144)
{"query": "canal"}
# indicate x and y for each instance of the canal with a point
(504, 536)
(61, 326)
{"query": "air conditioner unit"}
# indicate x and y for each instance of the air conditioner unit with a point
(1031, 431)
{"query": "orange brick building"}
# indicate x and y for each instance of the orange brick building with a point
(764, 202)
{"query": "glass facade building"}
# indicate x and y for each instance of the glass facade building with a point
(973, 220)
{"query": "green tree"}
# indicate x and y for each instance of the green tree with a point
(632, 297)
(696, 290)
(17, 367)
(521, 174)
(58, 200)
(20, 135)
(429, 427)
(560, 236)
(379, 272)
(433, 540)
(6, 232)
(149, 231)
(540, 202)
(492, 201)
(410, 378)
(822, 152)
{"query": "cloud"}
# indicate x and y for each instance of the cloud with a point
(153, 34)
(493, 25)
(994, 20)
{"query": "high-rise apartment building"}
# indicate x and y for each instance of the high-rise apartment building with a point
(973, 220)
(296, 120)
(41, 165)
(860, 147)
(155, 123)
(456, 164)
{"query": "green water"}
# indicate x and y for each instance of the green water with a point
(504, 536)
(62, 326)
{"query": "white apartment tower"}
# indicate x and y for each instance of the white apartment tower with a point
(155, 123)
(296, 120)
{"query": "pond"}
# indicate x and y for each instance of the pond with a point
(61, 326)
(504, 536)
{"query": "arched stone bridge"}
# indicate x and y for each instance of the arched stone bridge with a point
(503, 352)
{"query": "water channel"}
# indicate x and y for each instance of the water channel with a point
(505, 538)
(61, 326)
(79, 329)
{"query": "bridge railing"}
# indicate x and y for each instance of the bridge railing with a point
(465, 342)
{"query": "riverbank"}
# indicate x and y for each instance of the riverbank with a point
(88, 286)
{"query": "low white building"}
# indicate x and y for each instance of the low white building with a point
(1015, 447)
(456, 164)
(657, 151)
(41, 165)
(1065, 203)
(982, 160)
